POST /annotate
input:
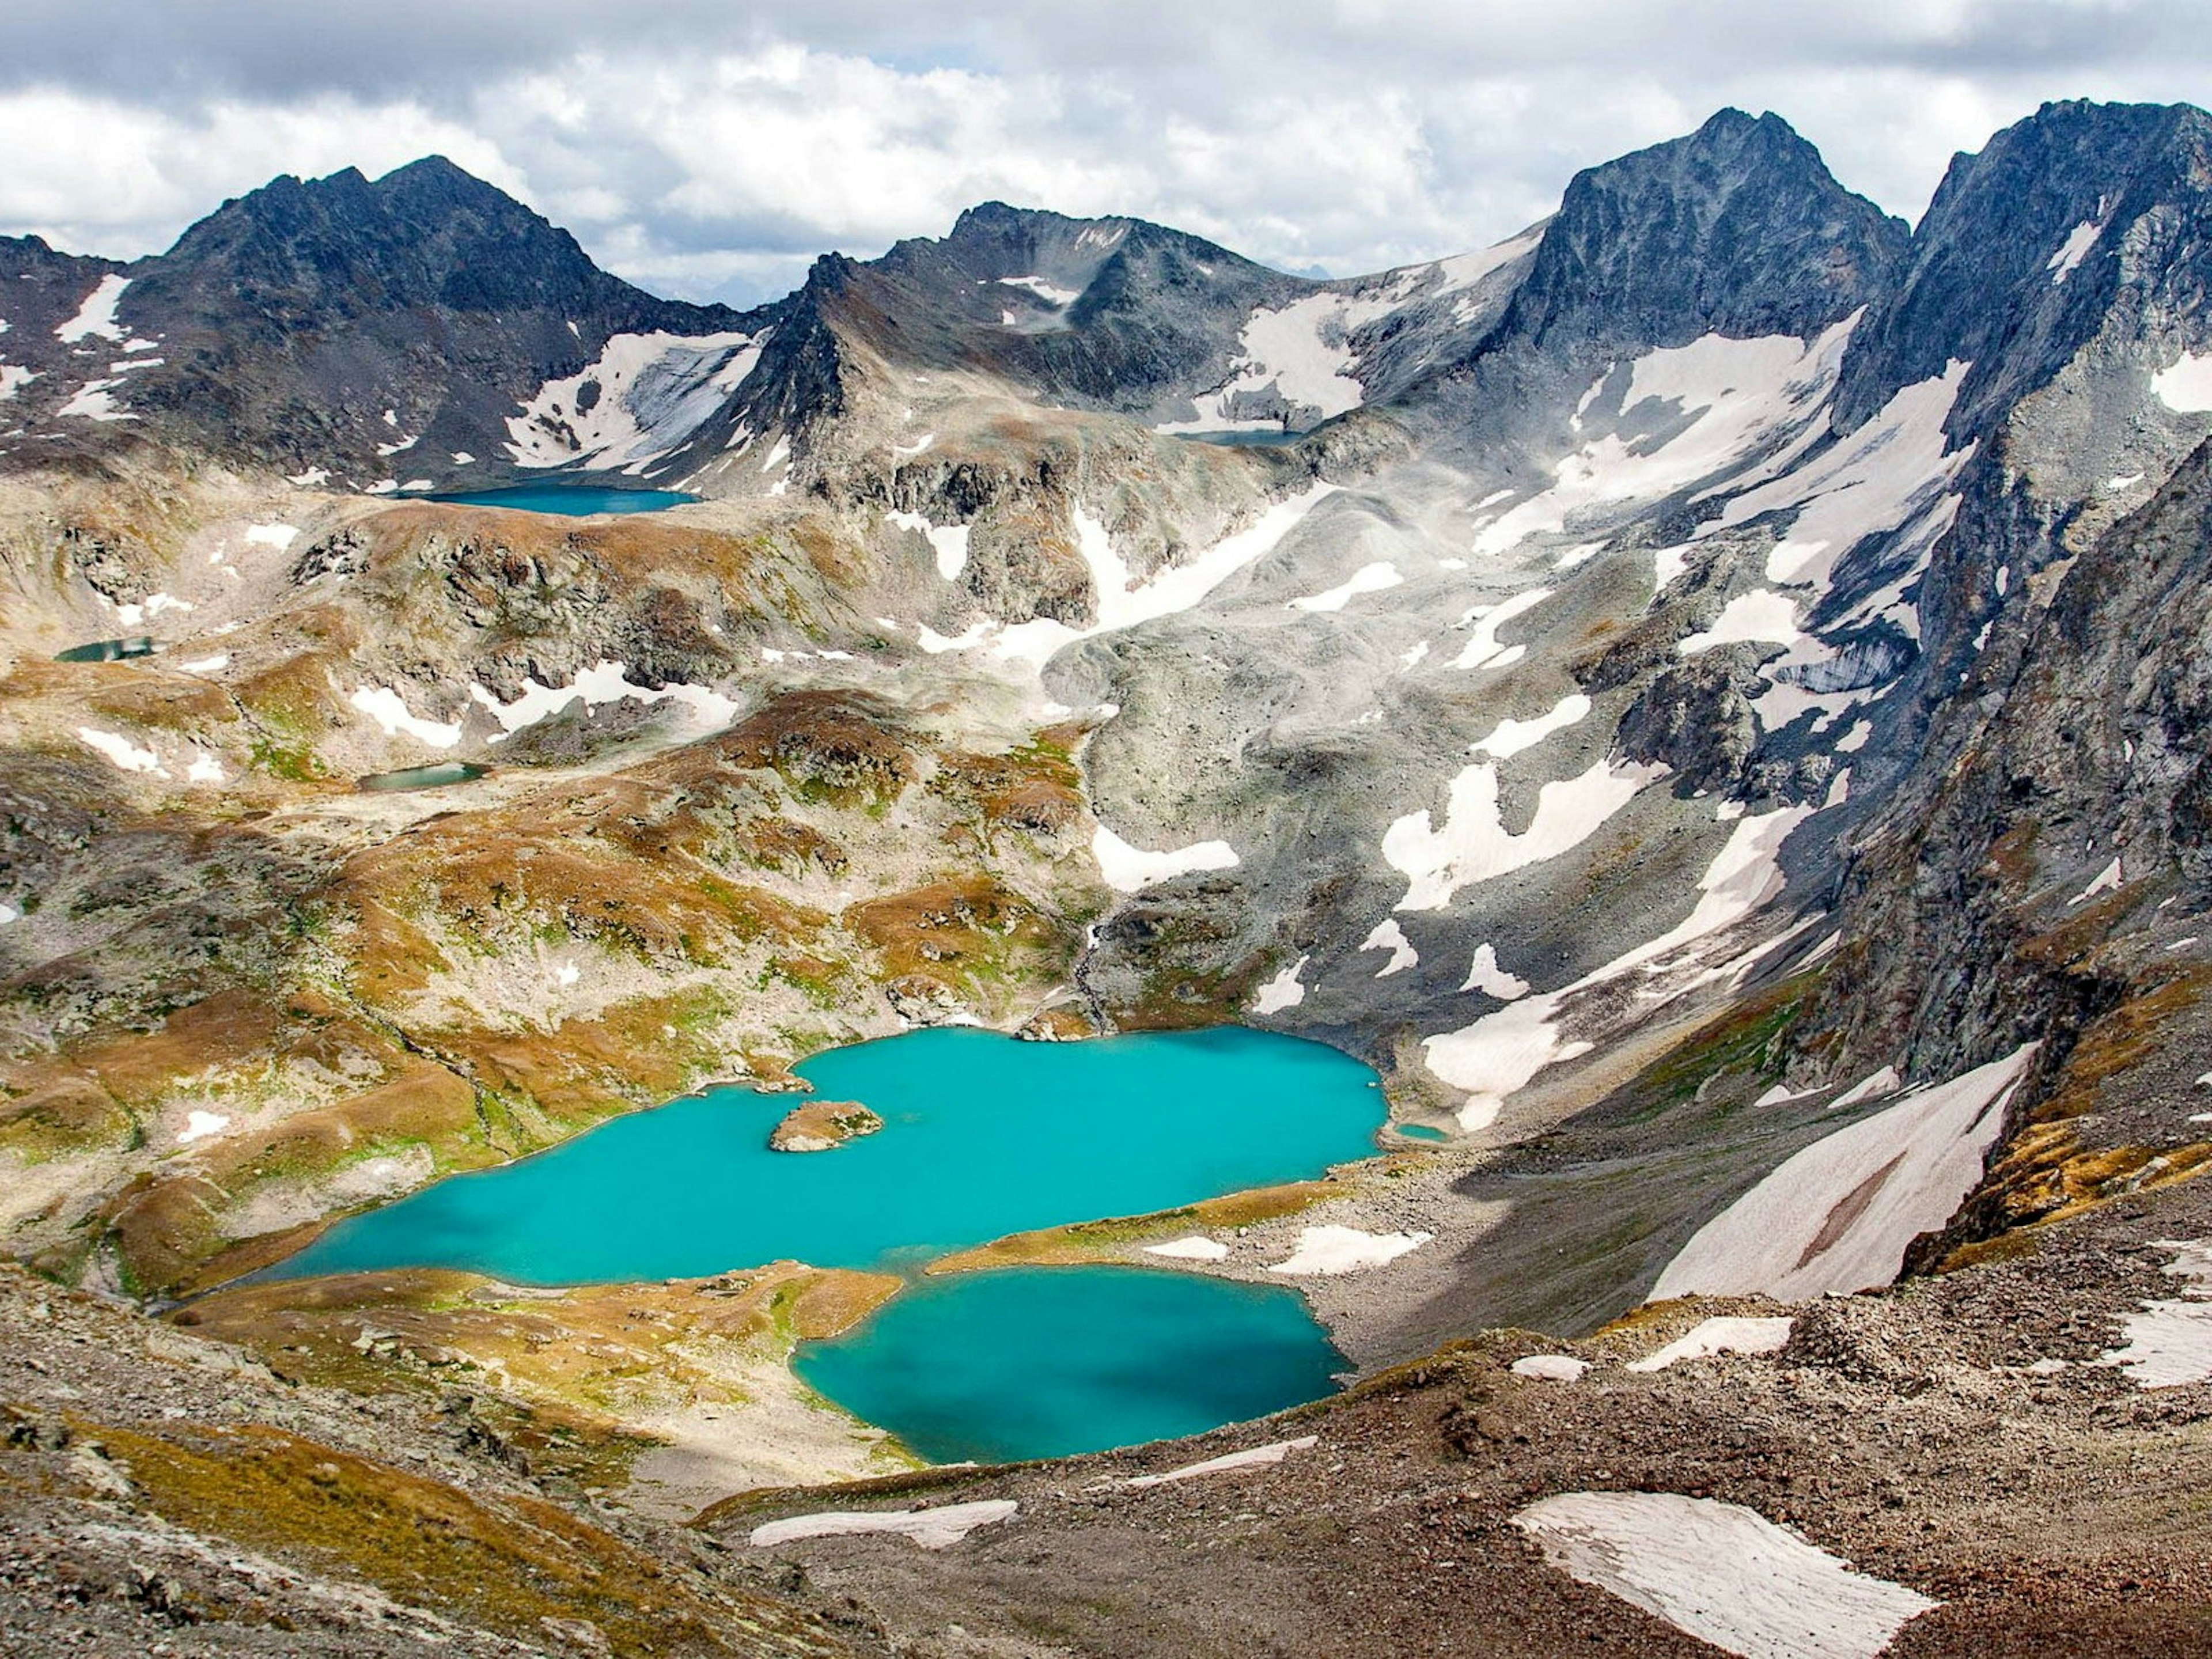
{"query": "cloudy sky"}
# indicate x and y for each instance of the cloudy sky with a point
(711, 148)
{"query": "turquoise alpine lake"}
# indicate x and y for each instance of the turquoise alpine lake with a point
(574, 501)
(983, 1135)
(1047, 1362)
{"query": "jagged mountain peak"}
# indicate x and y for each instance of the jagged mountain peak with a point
(2017, 262)
(1737, 228)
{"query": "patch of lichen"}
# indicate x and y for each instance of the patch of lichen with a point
(2045, 1175)
(582, 1070)
(70, 1117)
(970, 933)
(841, 748)
(507, 1561)
(1035, 790)
(169, 1222)
(2116, 1041)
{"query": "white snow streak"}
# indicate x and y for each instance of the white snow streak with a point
(1747, 395)
(933, 1530)
(605, 682)
(1510, 736)
(1368, 579)
(1485, 974)
(2187, 388)
(1388, 936)
(1712, 1336)
(1872, 1086)
(1283, 991)
(1550, 1367)
(655, 391)
(1502, 1052)
(127, 755)
(1761, 614)
(1132, 869)
(1326, 1252)
(1473, 844)
(97, 314)
(1482, 649)
(1258, 1457)
(2170, 1342)
(1196, 1248)
(1721, 1573)
(198, 1125)
(2079, 240)
(389, 710)
(1839, 1215)
(1894, 469)
(950, 542)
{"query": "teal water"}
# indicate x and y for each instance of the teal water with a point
(1046, 1362)
(423, 777)
(1421, 1132)
(108, 650)
(575, 501)
(983, 1136)
(1264, 438)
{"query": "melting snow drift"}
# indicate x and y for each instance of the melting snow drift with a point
(1839, 1215)
(1722, 1573)
(933, 1529)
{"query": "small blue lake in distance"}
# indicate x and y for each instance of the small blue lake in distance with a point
(1047, 1362)
(983, 1136)
(574, 501)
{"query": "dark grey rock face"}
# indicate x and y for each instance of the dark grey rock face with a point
(1738, 228)
(1981, 284)
(290, 319)
(40, 289)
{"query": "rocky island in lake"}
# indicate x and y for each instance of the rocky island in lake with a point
(822, 1125)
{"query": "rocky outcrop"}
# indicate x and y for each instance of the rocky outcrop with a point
(822, 1125)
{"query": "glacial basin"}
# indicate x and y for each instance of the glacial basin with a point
(1048, 1362)
(571, 500)
(983, 1136)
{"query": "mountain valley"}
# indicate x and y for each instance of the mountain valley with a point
(1707, 698)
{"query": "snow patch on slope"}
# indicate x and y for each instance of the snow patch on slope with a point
(605, 682)
(2170, 1342)
(389, 710)
(1839, 1215)
(1284, 991)
(2187, 388)
(1473, 844)
(933, 1530)
(97, 314)
(644, 396)
(1721, 1573)
(1132, 869)
(1327, 1252)
(1388, 936)
(1368, 579)
(1747, 395)
(1501, 1053)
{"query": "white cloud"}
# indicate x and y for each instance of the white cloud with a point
(702, 147)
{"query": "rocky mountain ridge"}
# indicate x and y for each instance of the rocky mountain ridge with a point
(1702, 695)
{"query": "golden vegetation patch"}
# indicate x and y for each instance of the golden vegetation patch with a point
(1087, 1241)
(507, 1561)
